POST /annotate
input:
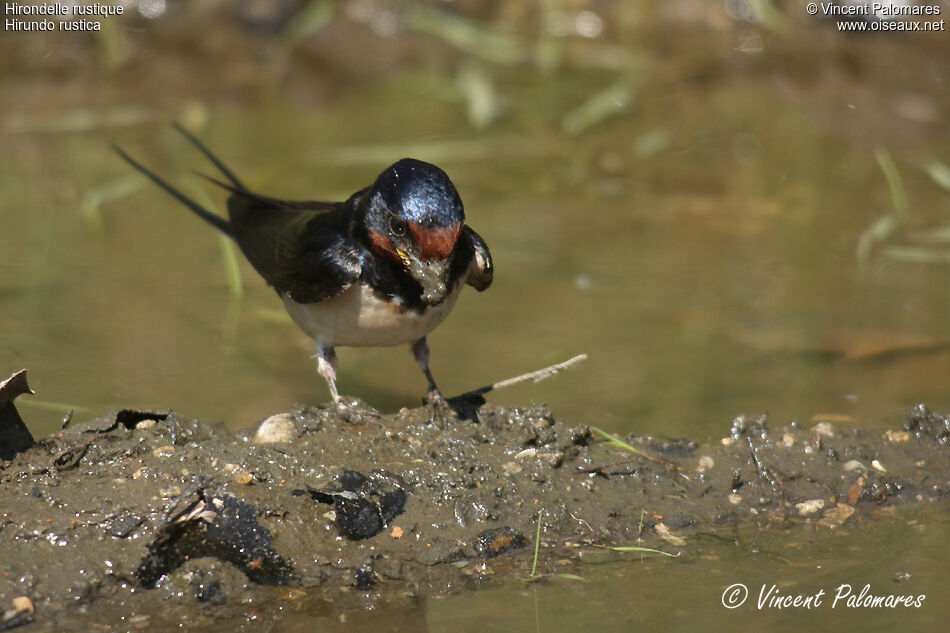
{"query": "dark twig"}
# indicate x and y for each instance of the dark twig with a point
(764, 471)
(467, 404)
(602, 470)
(534, 376)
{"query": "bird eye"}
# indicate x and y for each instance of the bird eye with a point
(398, 226)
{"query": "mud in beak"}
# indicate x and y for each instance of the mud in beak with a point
(431, 275)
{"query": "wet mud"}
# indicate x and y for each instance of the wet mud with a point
(150, 518)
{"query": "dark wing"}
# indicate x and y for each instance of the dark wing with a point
(483, 272)
(301, 248)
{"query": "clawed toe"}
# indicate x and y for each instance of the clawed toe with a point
(440, 407)
(345, 403)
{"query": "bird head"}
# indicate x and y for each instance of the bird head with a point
(413, 216)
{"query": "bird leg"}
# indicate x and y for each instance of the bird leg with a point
(420, 350)
(326, 367)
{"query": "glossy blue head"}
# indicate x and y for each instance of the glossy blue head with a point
(414, 216)
(420, 193)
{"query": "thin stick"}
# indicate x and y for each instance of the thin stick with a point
(534, 376)
(541, 374)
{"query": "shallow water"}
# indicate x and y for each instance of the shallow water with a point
(700, 242)
(643, 593)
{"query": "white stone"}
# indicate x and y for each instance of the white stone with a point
(276, 429)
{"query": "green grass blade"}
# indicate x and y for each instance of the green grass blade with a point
(232, 268)
(917, 255)
(880, 230)
(312, 19)
(537, 545)
(95, 197)
(613, 99)
(769, 16)
(637, 548)
(467, 36)
(936, 235)
(613, 441)
(481, 99)
(894, 182)
(940, 173)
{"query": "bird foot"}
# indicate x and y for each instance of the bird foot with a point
(347, 402)
(353, 410)
(440, 407)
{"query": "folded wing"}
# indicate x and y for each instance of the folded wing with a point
(482, 274)
(299, 248)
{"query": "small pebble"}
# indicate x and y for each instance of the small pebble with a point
(164, 451)
(833, 417)
(824, 428)
(833, 517)
(705, 463)
(664, 533)
(528, 452)
(243, 478)
(810, 507)
(139, 621)
(856, 489)
(735, 499)
(497, 541)
(511, 468)
(853, 465)
(896, 437)
(276, 429)
(878, 466)
(22, 603)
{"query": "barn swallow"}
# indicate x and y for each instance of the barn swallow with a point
(382, 268)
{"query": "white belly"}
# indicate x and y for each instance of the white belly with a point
(359, 318)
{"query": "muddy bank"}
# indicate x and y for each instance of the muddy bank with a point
(150, 515)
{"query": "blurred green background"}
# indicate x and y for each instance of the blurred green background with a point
(732, 207)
